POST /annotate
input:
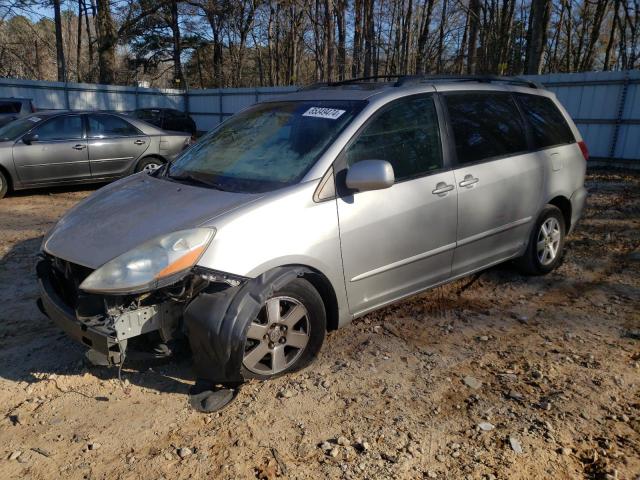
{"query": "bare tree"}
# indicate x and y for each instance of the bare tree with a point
(62, 70)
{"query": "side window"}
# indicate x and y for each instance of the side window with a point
(174, 115)
(548, 125)
(105, 126)
(485, 125)
(406, 135)
(65, 127)
(10, 107)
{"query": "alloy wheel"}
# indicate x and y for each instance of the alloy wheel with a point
(549, 237)
(277, 337)
(150, 167)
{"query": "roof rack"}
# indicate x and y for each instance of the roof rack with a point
(466, 78)
(408, 79)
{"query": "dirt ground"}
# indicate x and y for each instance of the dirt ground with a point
(502, 377)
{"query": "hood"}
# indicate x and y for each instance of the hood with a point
(121, 216)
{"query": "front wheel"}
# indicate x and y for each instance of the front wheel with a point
(287, 333)
(546, 243)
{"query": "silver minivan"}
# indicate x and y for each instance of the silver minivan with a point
(301, 213)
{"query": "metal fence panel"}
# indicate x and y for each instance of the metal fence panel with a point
(605, 105)
(606, 109)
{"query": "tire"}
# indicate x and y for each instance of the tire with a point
(149, 164)
(271, 349)
(4, 184)
(544, 251)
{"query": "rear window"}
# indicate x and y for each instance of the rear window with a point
(485, 125)
(548, 125)
(10, 107)
(148, 115)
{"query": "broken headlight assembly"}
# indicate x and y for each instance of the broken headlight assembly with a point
(156, 263)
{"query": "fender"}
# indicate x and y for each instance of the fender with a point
(216, 324)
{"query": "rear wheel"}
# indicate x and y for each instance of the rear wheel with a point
(4, 185)
(287, 333)
(149, 165)
(546, 243)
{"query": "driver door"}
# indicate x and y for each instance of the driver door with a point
(400, 240)
(58, 154)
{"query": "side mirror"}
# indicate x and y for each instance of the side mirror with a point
(29, 138)
(370, 175)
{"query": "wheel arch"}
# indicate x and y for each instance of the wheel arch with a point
(8, 176)
(564, 204)
(322, 284)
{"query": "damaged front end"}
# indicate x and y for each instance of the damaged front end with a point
(111, 324)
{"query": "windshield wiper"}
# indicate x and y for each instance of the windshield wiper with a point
(188, 178)
(192, 179)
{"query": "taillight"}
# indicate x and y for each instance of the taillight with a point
(584, 149)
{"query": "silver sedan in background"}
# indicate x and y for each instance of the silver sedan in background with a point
(61, 148)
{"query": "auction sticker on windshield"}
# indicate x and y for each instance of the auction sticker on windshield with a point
(321, 112)
(35, 119)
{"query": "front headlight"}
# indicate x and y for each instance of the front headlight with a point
(144, 267)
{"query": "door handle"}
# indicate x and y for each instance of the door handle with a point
(468, 181)
(139, 142)
(441, 188)
(79, 146)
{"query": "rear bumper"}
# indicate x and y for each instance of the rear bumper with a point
(578, 201)
(65, 318)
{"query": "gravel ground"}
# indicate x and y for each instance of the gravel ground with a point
(493, 377)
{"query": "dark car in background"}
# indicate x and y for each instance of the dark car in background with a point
(167, 119)
(14, 108)
(58, 148)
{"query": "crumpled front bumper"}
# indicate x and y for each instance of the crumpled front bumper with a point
(65, 317)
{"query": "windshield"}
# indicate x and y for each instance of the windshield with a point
(13, 130)
(268, 146)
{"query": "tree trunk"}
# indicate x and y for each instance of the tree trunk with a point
(106, 43)
(178, 76)
(329, 47)
(79, 42)
(443, 19)
(612, 34)
(421, 57)
(537, 35)
(62, 73)
(357, 39)
(406, 38)
(369, 36)
(598, 17)
(90, 74)
(474, 21)
(342, 38)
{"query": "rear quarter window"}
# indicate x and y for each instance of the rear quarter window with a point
(10, 107)
(485, 125)
(548, 125)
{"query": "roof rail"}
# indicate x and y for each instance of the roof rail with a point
(408, 79)
(467, 78)
(350, 81)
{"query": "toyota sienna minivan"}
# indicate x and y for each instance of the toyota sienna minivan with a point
(303, 212)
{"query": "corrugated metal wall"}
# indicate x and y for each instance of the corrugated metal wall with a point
(606, 109)
(207, 107)
(604, 105)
